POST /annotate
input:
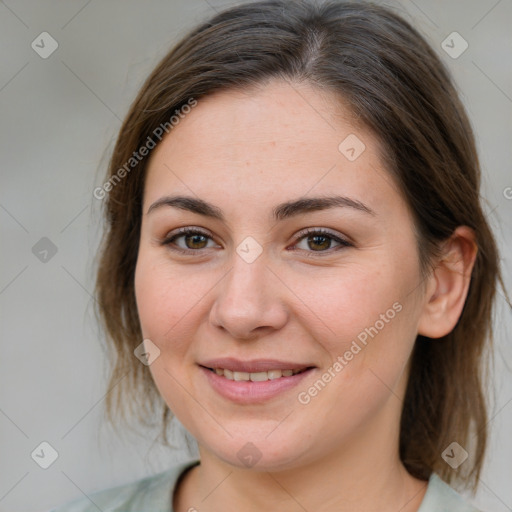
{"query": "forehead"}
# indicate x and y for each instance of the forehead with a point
(266, 144)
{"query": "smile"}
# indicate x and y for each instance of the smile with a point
(254, 387)
(255, 376)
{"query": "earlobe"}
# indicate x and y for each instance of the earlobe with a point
(448, 285)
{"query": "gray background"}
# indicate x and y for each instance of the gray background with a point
(58, 118)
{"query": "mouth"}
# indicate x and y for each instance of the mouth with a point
(256, 376)
(253, 382)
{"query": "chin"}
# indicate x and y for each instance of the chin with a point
(259, 454)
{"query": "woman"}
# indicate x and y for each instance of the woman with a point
(297, 265)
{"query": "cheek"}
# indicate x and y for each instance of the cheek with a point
(349, 300)
(366, 321)
(165, 303)
(165, 297)
(367, 358)
(162, 303)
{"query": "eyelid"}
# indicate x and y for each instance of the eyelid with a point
(324, 231)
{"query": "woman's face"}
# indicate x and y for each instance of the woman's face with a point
(261, 286)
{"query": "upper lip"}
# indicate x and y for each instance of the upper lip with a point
(253, 366)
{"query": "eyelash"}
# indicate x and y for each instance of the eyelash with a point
(303, 234)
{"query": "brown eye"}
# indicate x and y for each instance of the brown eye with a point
(193, 240)
(320, 241)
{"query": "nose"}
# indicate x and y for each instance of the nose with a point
(249, 303)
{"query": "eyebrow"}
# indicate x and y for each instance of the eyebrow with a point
(280, 212)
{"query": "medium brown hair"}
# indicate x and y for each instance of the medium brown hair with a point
(378, 64)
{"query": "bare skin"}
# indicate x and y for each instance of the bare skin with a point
(246, 152)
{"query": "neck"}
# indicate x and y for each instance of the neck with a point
(362, 475)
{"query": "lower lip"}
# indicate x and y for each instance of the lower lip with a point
(248, 392)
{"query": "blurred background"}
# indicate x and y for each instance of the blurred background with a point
(69, 71)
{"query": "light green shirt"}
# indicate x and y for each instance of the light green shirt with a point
(154, 494)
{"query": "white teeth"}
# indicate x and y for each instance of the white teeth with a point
(255, 376)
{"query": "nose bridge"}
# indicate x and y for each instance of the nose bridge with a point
(246, 299)
(246, 284)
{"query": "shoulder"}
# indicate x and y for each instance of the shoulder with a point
(440, 497)
(153, 491)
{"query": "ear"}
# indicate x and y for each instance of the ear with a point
(448, 285)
